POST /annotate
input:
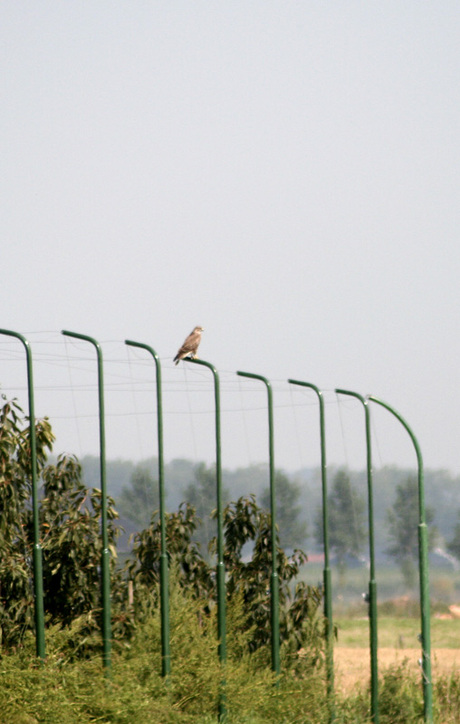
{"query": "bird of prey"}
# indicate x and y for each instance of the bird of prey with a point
(190, 346)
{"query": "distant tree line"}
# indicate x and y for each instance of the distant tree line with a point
(303, 488)
(347, 513)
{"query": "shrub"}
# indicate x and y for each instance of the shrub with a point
(247, 581)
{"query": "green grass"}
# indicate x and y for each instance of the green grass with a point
(397, 632)
(78, 693)
(61, 692)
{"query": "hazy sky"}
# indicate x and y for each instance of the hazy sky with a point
(285, 174)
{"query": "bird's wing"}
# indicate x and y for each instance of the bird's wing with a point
(190, 345)
(192, 342)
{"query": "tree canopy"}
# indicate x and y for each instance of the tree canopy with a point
(453, 545)
(139, 499)
(347, 532)
(292, 528)
(403, 521)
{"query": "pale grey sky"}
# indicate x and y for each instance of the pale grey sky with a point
(285, 174)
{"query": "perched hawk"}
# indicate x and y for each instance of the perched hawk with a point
(190, 346)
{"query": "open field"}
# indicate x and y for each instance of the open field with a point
(397, 643)
(397, 632)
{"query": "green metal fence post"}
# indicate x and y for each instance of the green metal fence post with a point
(372, 581)
(327, 570)
(423, 569)
(220, 569)
(105, 556)
(164, 573)
(274, 580)
(37, 549)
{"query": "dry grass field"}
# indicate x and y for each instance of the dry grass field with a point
(352, 667)
(397, 643)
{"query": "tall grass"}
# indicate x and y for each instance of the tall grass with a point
(67, 689)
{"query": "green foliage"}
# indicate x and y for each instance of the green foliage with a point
(70, 686)
(403, 520)
(293, 531)
(72, 544)
(184, 554)
(16, 541)
(69, 520)
(248, 581)
(347, 534)
(244, 521)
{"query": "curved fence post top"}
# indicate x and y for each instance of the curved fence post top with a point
(341, 391)
(142, 345)
(25, 342)
(267, 384)
(10, 333)
(403, 422)
(84, 337)
(253, 376)
(202, 362)
(310, 385)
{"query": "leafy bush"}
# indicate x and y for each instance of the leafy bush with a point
(69, 518)
(16, 544)
(69, 521)
(247, 581)
(72, 544)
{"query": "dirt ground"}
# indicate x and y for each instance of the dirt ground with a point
(352, 665)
